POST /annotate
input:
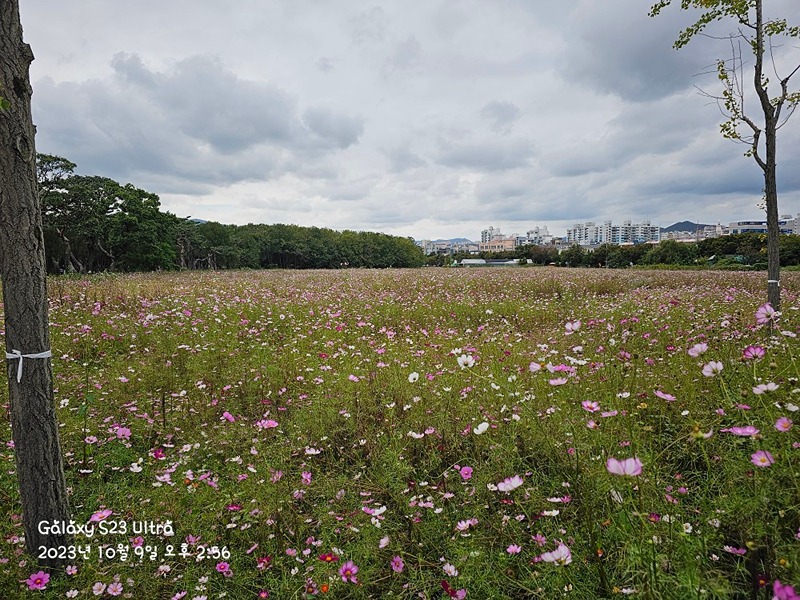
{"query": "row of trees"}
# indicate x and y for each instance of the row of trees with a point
(95, 224)
(746, 249)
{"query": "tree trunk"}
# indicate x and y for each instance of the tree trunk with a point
(773, 227)
(22, 269)
(769, 164)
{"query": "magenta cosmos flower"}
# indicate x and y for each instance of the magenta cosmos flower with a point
(783, 592)
(631, 467)
(397, 564)
(38, 581)
(783, 424)
(753, 353)
(762, 458)
(348, 572)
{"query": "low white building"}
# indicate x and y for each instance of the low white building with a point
(788, 225)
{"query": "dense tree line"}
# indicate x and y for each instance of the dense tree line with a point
(95, 224)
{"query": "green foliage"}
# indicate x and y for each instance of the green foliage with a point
(574, 256)
(670, 252)
(96, 224)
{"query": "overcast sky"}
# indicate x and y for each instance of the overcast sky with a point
(426, 118)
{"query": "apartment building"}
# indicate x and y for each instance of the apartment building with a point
(592, 234)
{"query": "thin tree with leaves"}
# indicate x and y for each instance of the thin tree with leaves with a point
(776, 100)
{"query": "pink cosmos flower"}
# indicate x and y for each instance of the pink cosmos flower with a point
(222, 567)
(510, 483)
(763, 388)
(306, 476)
(558, 381)
(466, 473)
(712, 368)
(397, 564)
(631, 467)
(100, 515)
(466, 524)
(123, 433)
(348, 572)
(664, 396)
(228, 417)
(98, 588)
(762, 458)
(514, 549)
(560, 556)
(38, 581)
(783, 424)
(766, 313)
(572, 326)
(697, 350)
(534, 367)
(114, 589)
(746, 431)
(590, 405)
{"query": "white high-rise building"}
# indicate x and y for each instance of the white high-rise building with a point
(591, 234)
(489, 234)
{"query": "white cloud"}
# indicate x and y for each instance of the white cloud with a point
(429, 119)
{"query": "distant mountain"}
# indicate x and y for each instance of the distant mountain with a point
(454, 241)
(683, 226)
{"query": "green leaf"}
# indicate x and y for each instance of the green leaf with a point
(4, 104)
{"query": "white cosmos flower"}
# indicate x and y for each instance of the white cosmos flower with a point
(465, 361)
(481, 428)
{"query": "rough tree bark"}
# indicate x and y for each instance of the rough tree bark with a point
(22, 268)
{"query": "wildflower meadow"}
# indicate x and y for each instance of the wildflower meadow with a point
(434, 433)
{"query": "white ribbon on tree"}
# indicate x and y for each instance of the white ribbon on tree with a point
(17, 355)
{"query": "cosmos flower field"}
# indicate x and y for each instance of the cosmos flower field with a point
(434, 433)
